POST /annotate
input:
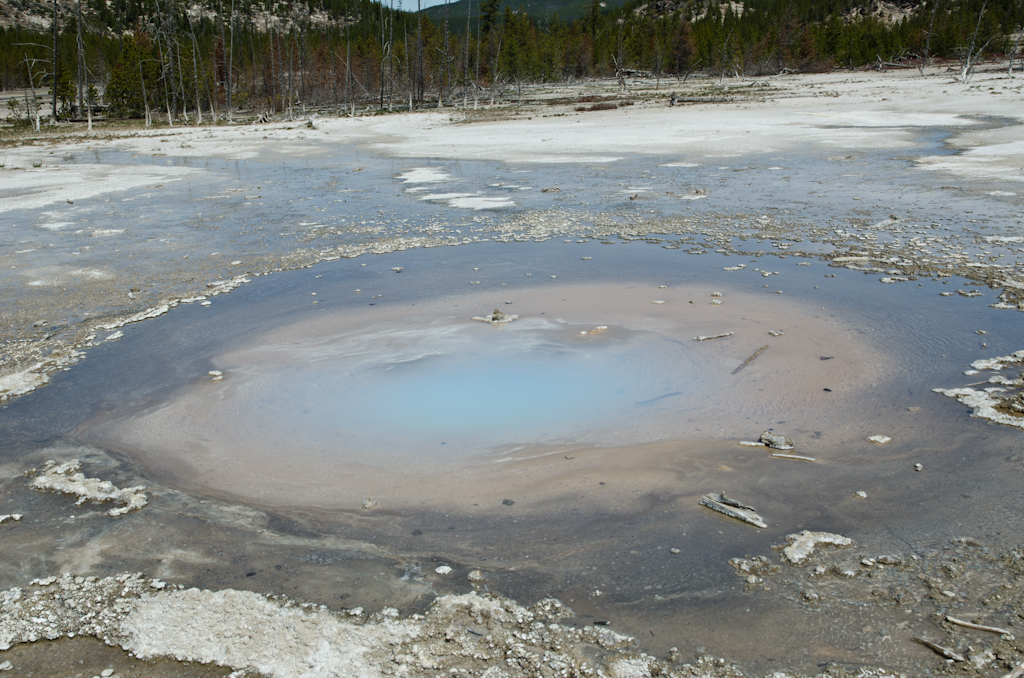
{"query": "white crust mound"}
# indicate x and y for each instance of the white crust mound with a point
(482, 634)
(997, 403)
(66, 478)
(802, 545)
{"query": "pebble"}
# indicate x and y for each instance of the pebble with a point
(918, 467)
(397, 269)
(106, 673)
(369, 503)
(881, 440)
(6, 666)
(862, 494)
(475, 575)
(673, 551)
(443, 569)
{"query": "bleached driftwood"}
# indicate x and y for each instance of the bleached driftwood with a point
(733, 509)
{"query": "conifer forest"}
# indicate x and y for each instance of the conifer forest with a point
(177, 60)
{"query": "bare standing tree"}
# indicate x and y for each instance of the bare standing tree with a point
(195, 67)
(1013, 52)
(31, 106)
(465, 57)
(419, 52)
(56, 60)
(928, 39)
(971, 55)
(444, 59)
(231, 54)
(81, 59)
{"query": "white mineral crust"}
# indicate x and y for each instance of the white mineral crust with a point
(65, 477)
(802, 545)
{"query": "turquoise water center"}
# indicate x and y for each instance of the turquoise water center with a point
(343, 396)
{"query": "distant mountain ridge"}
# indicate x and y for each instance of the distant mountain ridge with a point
(540, 10)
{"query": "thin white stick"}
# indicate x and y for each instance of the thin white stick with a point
(991, 629)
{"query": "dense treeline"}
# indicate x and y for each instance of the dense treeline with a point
(142, 58)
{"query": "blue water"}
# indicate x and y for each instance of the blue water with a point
(497, 391)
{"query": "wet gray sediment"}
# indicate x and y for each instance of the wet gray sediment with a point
(614, 538)
(612, 525)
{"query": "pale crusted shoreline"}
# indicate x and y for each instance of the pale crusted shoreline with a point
(471, 634)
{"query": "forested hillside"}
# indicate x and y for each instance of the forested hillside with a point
(134, 58)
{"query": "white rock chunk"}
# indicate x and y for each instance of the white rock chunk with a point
(65, 477)
(802, 545)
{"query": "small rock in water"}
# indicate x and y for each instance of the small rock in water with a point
(507, 502)
(881, 440)
(443, 569)
(496, 317)
(776, 441)
(475, 575)
(674, 551)
(6, 666)
(862, 494)
(918, 467)
(397, 269)
(369, 503)
(776, 333)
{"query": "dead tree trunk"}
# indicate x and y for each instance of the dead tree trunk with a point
(1013, 52)
(81, 59)
(928, 39)
(967, 64)
(444, 59)
(231, 54)
(56, 60)
(465, 57)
